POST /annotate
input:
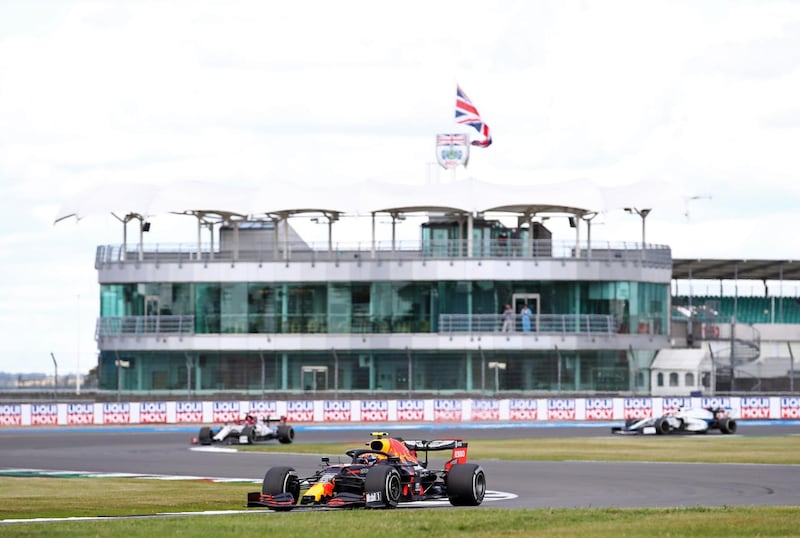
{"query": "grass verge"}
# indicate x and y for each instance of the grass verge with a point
(461, 523)
(695, 448)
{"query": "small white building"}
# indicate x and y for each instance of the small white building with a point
(679, 372)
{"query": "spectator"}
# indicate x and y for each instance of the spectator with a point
(526, 318)
(508, 319)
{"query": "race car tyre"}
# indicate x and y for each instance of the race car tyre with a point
(285, 434)
(466, 484)
(383, 480)
(727, 425)
(205, 437)
(279, 480)
(662, 426)
(250, 433)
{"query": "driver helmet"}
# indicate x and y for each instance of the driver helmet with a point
(369, 459)
(250, 419)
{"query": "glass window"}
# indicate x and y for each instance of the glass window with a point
(305, 303)
(660, 379)
(182, 303)
(673, 379)
(689, 379)
(207, 308)
(340, 309)
(261, 308)
(360, 303)
(112, 300)
(233, 307)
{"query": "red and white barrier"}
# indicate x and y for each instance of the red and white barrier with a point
(412, 410)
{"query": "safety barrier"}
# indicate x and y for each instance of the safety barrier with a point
(437, 410)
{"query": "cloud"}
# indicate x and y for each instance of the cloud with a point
(699, 94)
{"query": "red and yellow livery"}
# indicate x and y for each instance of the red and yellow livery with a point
(390, 471)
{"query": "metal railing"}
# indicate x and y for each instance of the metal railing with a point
(154, 325)
(622, 252)
(539, 324)
(277, 324)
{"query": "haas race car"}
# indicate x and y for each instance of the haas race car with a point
(690, 420)
(389, 472)
(246, 432)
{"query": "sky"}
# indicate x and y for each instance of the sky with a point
(701, 94)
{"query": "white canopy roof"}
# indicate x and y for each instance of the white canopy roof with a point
(471, 195)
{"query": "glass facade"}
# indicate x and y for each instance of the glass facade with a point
(376, 307)
(379, 307)
(375, 371)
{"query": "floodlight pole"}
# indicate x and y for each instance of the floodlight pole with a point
(642, 213)
(55, 378)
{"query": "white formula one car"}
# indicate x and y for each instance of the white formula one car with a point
(246, 432)
(688, 420)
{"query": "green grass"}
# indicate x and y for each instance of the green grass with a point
(702, 522)
(695, 448)
(26, 498)
(63, 497)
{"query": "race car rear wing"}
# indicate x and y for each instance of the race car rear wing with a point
(458, 447)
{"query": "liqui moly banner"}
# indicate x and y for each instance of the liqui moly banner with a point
(523, 409)
(336, 410)
(264, 409)
(790, 407)
(485, 410)
(117, 413)
(44, 414)
(374, 410)
(670, 405)
(754, 407)
(10, 415)
(80, 413)
(721, 401)
(189, 412)
(447, 410)
(300, 411)
(637, 408)
(410, 410)
(153, 412)
(561, 409)
(226, 412)
(599, 408)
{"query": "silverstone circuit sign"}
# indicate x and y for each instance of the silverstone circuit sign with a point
(452, 150)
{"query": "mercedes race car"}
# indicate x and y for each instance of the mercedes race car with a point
(248, 431)
(690, 420)
(389, 472)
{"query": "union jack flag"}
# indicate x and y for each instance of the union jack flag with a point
(451, 139)
(467, 114)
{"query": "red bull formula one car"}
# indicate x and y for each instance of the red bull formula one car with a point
(389, 472)
(248, 431)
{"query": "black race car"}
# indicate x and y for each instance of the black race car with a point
(385, 474)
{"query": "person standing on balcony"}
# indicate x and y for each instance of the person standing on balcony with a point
(526, 318)
(508, 319)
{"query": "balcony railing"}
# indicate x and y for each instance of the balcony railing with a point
(151, 325)
(310, 324)
(648, 254)
(541, 324)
